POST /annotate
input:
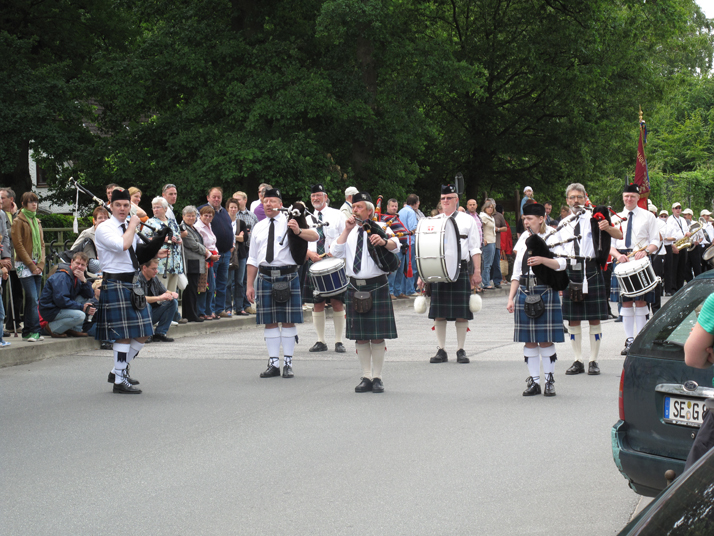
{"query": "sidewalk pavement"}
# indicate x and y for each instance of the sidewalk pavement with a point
(21, 352)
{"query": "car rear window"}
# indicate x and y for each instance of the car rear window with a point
(665, 335)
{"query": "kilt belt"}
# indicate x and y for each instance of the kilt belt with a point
(378, 322)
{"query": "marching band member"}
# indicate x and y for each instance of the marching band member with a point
(641, 237)
(450, 301)
(694, 253)
(335, 224)
(118, 317)
(370, 317)
(677, 228)
(539, 333)
(278, 294)
(591, 304)
(658, 258)
(708, 234)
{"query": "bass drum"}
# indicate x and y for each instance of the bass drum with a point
(438, 250)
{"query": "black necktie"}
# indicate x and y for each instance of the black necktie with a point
(132, 253)
(321, 239)
(357, 264)
(577, 240)
(271, 242)
(628, 236)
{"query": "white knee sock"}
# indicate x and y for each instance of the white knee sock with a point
(461, 329)
(339, 318)
(440, 333)
(318, 318)
(532, 356)
(548, 357)
(272, 341)
(640, 318)
(378, 350)
(288, 338)
(576, 340)
(628, 321)
(595, 338)
(136, 347)
(121, 352)
(364, 353)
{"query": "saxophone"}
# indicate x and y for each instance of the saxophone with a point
(686, 241)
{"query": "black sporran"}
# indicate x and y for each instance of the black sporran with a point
(138, 296)
(534, 305)
(362, 301)
(281, 291)
(575, 292)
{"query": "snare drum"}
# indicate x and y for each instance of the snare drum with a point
(438, 250)
(328, 277)
(636, 277)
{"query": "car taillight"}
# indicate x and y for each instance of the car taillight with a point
(620, 401)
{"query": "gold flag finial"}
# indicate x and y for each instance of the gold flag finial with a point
(640, 113)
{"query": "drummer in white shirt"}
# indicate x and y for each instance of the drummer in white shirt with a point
(450, 301)
(640, 237)
(333, 223)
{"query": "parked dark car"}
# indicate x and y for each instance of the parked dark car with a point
(661, 398)
(685, 508)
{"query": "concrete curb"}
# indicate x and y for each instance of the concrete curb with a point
(21, 352)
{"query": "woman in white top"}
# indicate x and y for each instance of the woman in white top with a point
(489, 239)
(205, 296)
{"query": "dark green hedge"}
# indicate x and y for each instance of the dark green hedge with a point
(61, 220)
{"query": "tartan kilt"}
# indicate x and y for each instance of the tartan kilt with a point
(308, 288)
(378, 322)
(594, 306)
(270, 312)
(615, 296)
(451, 300)
(116, 317)
(548, 327)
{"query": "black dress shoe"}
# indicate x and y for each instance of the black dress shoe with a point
(318, 347)
(593, 369)
(549, 389)
(158, 337)
(106, 345)
(364, 386)
(111, 378)
(576, 368)
(149, 340)
(440, 357)
(288, 371)
(628, 343)
(125, 389)
(270, 372)
(533, 387)
(461, 356)
(340, 348)
(377, 385)
(619, 319)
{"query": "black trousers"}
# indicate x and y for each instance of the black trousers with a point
(190, 298)
(694, 262)
(670, 276)
(16, 289)
(679, 265)
(658, 267)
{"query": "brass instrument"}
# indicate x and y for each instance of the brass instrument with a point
(686, 241)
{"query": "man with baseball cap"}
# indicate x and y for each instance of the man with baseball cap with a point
(694, 253)
(709, 235)
(676, 260)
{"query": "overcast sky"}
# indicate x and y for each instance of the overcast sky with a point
(708, 7)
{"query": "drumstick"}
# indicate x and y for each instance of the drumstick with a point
(635, 252)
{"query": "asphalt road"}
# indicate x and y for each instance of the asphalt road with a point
(210, 448)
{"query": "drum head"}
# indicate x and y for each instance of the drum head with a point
(452, 249)
(327, 265)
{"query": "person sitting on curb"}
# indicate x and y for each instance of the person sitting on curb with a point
(164, 304)
(62, 304)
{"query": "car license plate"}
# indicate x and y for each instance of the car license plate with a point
(684, 411)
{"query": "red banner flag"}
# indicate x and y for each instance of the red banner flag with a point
(642, 178)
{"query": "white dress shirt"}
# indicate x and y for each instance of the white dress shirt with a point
(109, 239)
(676, 227)
(471, 245)
(587, 248)
(662, 226)
(368, 268)
(259, 243)
(332, 232)
(550, 236)
(645, 230)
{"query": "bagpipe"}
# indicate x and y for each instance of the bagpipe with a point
(298, 246)
(538, 247)
(382, 257)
